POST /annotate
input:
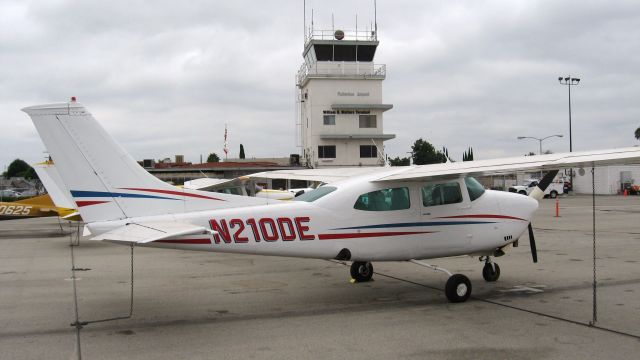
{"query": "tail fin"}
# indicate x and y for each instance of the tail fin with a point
(105, 182)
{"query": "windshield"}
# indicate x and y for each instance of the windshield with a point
(315, 194)
(474, 188)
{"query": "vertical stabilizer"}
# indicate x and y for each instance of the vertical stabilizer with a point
(105, 182)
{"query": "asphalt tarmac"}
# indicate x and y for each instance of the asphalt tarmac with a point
(196, 305)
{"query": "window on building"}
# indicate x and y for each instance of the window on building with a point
(441, 194)
(384, 200)
(329, 119)
(368, 121)
(327, 151)
(368, 151)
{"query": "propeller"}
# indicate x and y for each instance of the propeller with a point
(532, 243)
(538, 193)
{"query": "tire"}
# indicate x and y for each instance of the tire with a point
(553, 194)
(489, 274)
(458, 288)
(522, 192)
(361, 271)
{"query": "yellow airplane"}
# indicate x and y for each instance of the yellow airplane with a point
(39, 206)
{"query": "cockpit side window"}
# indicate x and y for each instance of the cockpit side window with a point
(441, 194)
(384, 200)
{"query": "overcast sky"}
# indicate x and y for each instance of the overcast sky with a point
(163, 77)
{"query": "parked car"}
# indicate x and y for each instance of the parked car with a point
(9, 193)
(553, 190)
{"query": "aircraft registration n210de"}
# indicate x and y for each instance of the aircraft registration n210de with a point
(364, 215)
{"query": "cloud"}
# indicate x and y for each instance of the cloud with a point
(165, 77)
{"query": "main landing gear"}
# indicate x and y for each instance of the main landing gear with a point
(458, 286)
(361, 271)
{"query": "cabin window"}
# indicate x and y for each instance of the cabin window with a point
(327, 151)
(368, 151)
(367, 121)
(316, 194)
(474, 188)
(329, 119)
(441, 194)
(384, 200)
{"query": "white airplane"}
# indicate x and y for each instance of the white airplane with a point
(57, 190)
(362, 215)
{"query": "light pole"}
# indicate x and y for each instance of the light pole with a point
(539, 140)
(569, 82)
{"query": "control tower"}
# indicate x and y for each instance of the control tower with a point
(340, 119)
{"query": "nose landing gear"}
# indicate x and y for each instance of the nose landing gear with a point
(491, 270)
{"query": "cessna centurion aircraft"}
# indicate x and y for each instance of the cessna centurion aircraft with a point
(365, 215)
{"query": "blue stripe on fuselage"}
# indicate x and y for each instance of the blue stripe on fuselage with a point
(416, 224)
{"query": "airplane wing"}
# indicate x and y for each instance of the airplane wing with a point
(209, 184)
(142, 233)
(622, 156)
(326, 175)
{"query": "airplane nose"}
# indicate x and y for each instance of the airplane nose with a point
(518, 205)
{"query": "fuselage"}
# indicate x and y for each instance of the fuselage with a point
(373, 221)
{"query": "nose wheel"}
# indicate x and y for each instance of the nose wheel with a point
(490, 271)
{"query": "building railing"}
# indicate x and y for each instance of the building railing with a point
(352, 35)
(341, 69)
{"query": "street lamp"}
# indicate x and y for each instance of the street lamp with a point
(539, 139)
(569, 81)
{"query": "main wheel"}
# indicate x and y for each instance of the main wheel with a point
(491, 273)
(361, 271)
(522, 192)
(458, 288)
(553, 194)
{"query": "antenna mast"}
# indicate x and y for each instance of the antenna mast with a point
(375, 17)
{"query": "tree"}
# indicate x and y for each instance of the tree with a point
(19, 168)
(468, 155)
(241, 151)
(405, 161)
(213, 158)
(445, 151)
(638, 133)
(423, 153)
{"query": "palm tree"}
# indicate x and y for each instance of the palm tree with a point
(638, 133)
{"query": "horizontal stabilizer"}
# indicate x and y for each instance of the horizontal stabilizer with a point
(147, 232)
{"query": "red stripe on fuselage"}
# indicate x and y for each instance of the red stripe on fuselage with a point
(369, 234)
(87, 203)
(482, 216)
(185, 241)
(170, 192)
